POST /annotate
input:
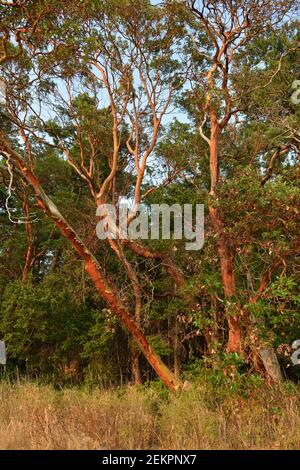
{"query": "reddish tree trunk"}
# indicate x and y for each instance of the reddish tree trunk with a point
(223, 245)
(235, 328)
(92, 268)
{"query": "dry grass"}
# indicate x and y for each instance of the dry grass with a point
(270, 419)
(38, 417)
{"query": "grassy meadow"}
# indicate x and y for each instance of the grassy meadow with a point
(35, 416)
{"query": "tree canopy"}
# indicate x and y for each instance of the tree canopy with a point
(184, 102)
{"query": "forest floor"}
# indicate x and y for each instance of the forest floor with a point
(36, 416)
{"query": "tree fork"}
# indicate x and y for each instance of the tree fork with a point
(92, 268)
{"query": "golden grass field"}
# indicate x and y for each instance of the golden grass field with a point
(36, 416)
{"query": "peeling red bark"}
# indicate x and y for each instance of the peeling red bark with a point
(106, 291)
(234, 343)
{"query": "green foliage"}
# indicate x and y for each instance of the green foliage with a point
(49, 331)
(79, 85)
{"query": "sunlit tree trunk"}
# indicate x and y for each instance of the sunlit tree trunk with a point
(106, 291)
(223, 246)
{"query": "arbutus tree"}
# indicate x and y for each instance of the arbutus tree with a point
(90, 86)
(139, 83)
(118, 72)
(229, 26)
